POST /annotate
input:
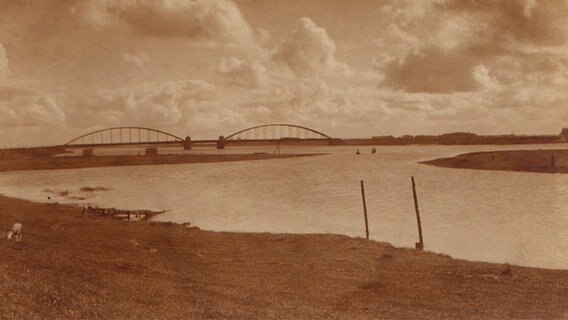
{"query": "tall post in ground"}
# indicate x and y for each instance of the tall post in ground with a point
(365, 209)
(419, 245)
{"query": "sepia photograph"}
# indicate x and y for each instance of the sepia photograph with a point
(283, 159)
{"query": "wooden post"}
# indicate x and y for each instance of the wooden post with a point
(365, 209)
(419, 245)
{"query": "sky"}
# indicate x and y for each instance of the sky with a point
(349, 68)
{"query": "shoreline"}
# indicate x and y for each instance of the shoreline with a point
(536, 161)
(69, 266)
(80, 162)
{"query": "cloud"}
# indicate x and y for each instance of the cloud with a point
(210, 119)
(95, 13)
(200, 20)
(141, 60)
(432, 70)
(484, 79)
(453, 52)
(4, 70)
(21, 109)
(421, 54)
(305, 57)
(244, 73)
(151, 104)
(528, 7)
(309, 51)
(433, 66)
(524, 21)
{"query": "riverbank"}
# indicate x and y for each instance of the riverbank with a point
(75, 162)
(549, 161)
(69, 266)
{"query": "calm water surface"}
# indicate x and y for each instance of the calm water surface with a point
(513, 217)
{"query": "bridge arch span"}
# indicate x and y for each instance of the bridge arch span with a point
(124, 135)
(277, 131)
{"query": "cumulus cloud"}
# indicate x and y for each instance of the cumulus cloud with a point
(244, 73)
(147, 104)
(309, 51)
(434, 66)
(200, 19)
(453, 52)
(306, 57)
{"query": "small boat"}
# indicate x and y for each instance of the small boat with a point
(358, 152)
(130, 215)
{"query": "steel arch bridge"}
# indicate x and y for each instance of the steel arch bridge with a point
(278, 131)
(124, 136)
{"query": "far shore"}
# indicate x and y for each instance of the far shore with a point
(75, 162)
(71, 266)
(546, 161)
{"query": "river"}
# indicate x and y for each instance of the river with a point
(507, 217)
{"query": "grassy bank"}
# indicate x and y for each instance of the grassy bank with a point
(96, 268)
(549, 161)
(73, 162)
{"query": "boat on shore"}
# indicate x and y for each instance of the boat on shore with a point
(129, 215)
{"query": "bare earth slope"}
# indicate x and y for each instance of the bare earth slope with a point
(70, 267)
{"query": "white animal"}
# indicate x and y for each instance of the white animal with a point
(15, 231)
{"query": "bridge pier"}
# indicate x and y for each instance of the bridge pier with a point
(334, 141)
(187, 143)
(221, 142)
(151, 151)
